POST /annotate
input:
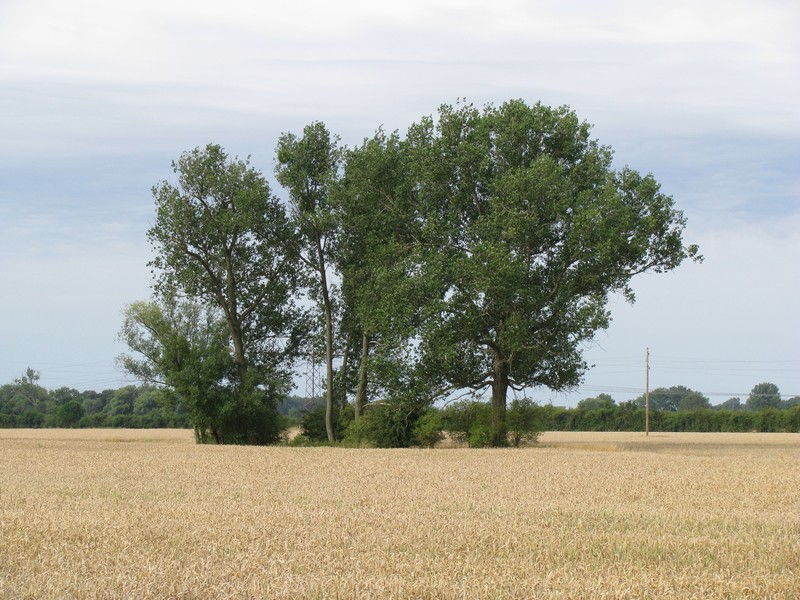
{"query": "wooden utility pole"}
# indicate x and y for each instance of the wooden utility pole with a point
(647, 393)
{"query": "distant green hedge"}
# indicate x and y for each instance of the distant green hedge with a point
(625, 417)
(95, 420)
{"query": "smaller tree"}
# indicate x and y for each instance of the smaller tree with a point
(186, 347)
(122, 401)
(28, 396)
(307, 168)
(149, 399)
(63, 395)
(764, 395)
(428, 429)
(602, 401)
(794, 401)
(524, 423)
(693, 401)
(731, 404)
(669, 399)
(70, 413)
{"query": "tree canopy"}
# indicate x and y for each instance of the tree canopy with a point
(674, 398)
(601, 401)
(223, 243)
(530, 230)
(764, 395)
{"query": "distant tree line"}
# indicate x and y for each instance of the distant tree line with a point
(679, 408)
(680, 398)
(25, 403)
(628, 416)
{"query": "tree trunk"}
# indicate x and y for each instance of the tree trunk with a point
(361, 391)
(326, 302)
(233, 317)
(238, 349)
(329, 372)
(499, 393)
(342, 391)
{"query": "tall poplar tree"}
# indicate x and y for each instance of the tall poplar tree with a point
(308, 168)
(222, 239)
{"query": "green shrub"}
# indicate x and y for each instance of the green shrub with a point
(312, 422)
(428, 429)
(358, 434)
(480, 434)
(468, 422)
(524, 422)
(386, 424)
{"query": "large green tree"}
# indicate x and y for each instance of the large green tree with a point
(693, 401)
(379, 255)
(222, 239)
(533, 230)
(676, 397)
(308, 168)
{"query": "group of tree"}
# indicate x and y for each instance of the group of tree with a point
(680, 398)
(25, 403)
(475, 253)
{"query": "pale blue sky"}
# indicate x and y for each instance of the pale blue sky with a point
(97, 97)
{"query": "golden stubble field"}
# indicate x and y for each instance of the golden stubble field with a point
(149, 514)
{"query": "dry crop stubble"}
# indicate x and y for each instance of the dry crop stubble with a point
(151, 515)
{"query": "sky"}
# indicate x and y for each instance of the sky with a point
(97, 98)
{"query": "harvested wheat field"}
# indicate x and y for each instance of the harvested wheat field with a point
(149, 514)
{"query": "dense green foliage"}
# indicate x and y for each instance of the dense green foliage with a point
(477, 253)
(223, 328)
(629, 417)
(24, 403)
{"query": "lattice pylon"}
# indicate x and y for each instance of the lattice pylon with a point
(313, 383)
